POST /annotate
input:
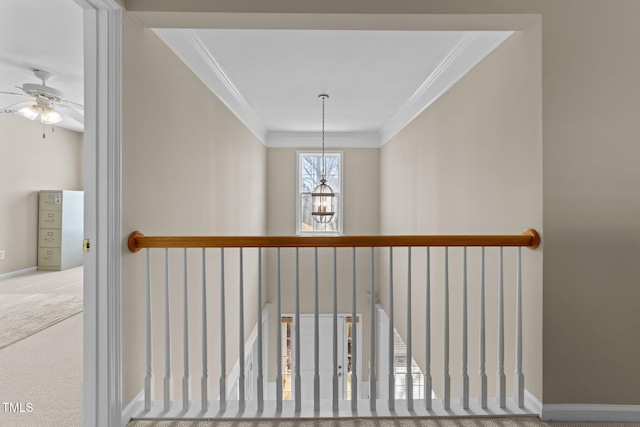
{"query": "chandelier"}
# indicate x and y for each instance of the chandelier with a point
(323, 199)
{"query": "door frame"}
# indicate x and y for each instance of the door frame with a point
(102, 359)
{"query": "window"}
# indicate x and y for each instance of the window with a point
(287, 359)
(309, 175)
(400, 371)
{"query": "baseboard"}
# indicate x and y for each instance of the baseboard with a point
(18, 272)
(135, 406)
(532, 402)
(593, 413)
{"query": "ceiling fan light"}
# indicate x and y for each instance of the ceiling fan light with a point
(30, 112)
(50, 117)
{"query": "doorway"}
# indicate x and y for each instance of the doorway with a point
(325, 366)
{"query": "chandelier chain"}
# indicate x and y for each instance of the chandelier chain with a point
(324, 165)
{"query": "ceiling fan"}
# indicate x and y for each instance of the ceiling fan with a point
(48, 104)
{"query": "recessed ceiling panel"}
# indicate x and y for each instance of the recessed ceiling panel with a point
(377, 81)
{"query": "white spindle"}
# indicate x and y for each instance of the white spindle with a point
(500, 376)
(409, 376)
(186, 379)
(148, 382)
(465, 374)
(519, 375)
(392, 381)
(296, 366)
(447, 378)
(372, 337)
(428, 380)
(483, 373)
(316, 338)
(241, 376)
(205, 344)
(278, 338)
(335, 331)
(260, 379)
(168, 380)
(354, 341)
(223, 338)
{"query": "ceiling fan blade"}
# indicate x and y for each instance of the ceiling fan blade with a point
(14, 108)
(75, 104)
(14, 93)
(75, 115)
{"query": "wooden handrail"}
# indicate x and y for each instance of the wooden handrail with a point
(137, 241)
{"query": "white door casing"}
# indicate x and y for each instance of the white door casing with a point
(102, 359)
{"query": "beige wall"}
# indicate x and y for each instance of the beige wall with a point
(361, 174)
(590, 131)
(189, 168)
(458, 169)
(28, 164)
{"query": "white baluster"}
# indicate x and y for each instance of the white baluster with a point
(409, 376)
(465, 360)
(205, 344)
(260, 379)
(168, 380)
(223, 338)
(500, 377)
(241, 376)
(354, 341)
(186, 379)
(483, 373)
(447, 378)
(148, 382)
(298, 382)
(519, 375)
(335, 331)
(428, 380)
(392, 396)
(372, 337)
(316, 338)
(278, 338)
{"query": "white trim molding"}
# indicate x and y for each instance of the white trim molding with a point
(592, 413)
(332, 139)
(186, 44)
(18, 272)
(134, 407)
(532, 402)
(472, 48)
(102, 394)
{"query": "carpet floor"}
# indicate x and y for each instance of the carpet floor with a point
(379, 422)
(41, 367)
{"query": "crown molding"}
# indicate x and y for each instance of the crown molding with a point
(332, 139)
(186, 44)
(471, 48)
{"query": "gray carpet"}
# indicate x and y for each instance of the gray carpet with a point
(22, 316)
(379, 422)
(44, 370)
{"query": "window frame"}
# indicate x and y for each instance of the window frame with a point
(339, 195)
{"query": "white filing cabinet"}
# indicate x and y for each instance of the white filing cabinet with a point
(61, 229)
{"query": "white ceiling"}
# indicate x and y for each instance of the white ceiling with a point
(378, 81)
(43, 34)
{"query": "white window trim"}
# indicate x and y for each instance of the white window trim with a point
(340, 212)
